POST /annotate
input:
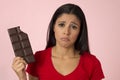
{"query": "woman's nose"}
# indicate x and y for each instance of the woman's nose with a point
(67, 31)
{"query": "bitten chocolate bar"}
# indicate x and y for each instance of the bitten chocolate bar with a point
(21, 45)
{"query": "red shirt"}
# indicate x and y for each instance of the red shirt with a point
(89, 68)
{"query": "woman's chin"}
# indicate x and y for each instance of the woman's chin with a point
(65, 45)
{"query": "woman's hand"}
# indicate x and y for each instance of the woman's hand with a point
(19, 66)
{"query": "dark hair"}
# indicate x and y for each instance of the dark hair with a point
(82, 40)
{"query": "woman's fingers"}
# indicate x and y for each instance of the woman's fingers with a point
(18, 64)
(18, 58)
(20, 67)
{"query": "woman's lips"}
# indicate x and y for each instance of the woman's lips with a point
(65, 39)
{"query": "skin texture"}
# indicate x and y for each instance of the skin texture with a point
(67, 28)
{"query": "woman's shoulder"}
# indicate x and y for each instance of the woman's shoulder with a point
(90, 58)
(90, 62)
(92, 65)
(42, 53)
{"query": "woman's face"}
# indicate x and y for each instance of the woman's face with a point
(66, 29)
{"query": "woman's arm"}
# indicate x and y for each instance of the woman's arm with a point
(19, 66)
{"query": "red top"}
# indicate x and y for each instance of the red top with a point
(89, 68)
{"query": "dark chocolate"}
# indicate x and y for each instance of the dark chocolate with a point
(21, 44)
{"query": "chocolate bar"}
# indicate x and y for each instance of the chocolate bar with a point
(21, 44)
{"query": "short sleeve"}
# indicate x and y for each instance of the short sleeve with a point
(97, 73)
(32, 67)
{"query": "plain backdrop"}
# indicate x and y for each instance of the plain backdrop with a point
(33, 17)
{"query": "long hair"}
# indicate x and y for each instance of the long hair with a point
(81, 43)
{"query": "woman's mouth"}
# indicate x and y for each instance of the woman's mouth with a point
(65, 39)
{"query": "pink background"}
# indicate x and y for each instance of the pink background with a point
(103, 18)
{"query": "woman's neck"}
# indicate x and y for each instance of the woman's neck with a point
(63, 52)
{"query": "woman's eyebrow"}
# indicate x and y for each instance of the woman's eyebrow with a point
(75, 23)
(61, 21)
(71, 22)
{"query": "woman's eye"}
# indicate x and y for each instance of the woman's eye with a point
(61, 24)
(74, 26)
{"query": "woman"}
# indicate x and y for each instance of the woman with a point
(67, 55)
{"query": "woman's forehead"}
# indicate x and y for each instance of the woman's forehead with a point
(68, 17)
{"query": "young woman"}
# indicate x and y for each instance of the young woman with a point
(67, 55)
